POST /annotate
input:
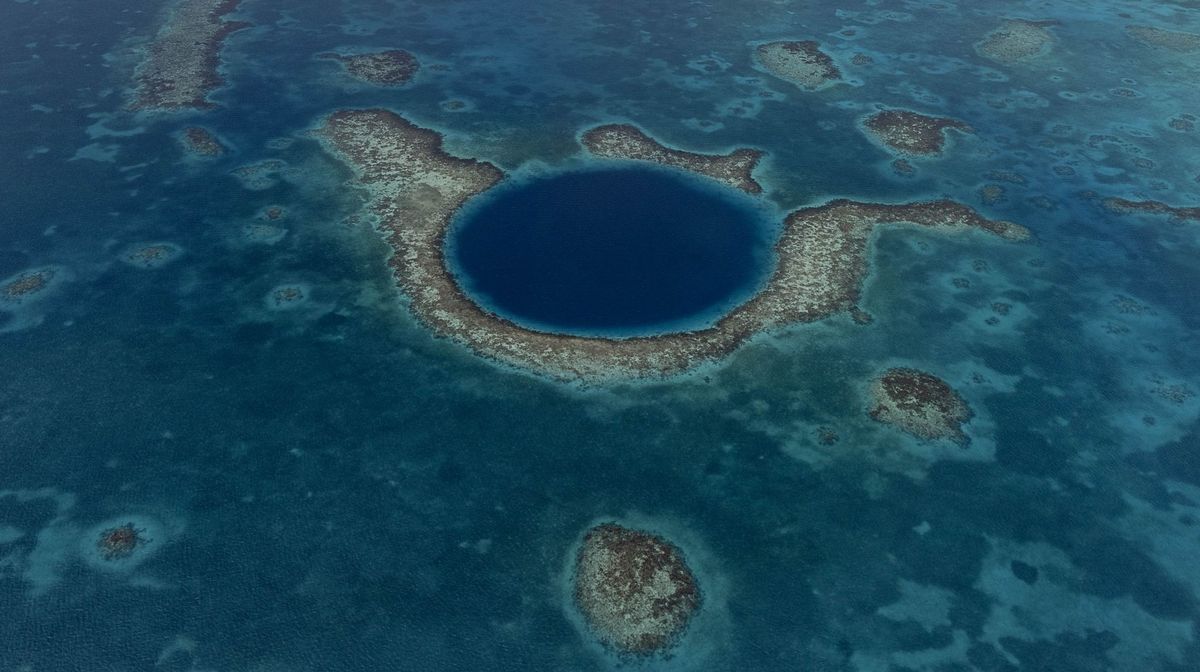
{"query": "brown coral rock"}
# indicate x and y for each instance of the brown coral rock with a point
(635, 589)
(629, 142)
(919, 403)
(911, 133)
(180, 66)
(394, 67)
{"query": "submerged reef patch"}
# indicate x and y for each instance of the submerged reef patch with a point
(417, 187)
(1125, 206)
(634, 589)
(919, 403)
(180, 66)
(26, 286)
(1017, 40)
(623, 141)
(151, 255)
(394, 67)
(911, 133)
(200, 141)
(1170, 40)
(801, 63)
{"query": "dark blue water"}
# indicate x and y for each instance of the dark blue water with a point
(619, 250)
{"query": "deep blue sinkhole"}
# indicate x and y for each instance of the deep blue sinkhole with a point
(615, 252)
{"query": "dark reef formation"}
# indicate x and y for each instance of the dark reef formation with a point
(919, 403)
(910, 133)
(394, 67)
(629, 142)
(635, 589)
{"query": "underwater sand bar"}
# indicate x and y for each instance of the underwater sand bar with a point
(417, 187)
(180, 65)
(623, 141)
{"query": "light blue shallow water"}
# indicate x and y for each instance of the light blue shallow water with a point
(332, 488)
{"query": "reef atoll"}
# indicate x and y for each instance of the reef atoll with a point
(919, 403)
(1017, 40)
(623, 141)
(417, 188)
(634, 589)
(1124, 206)
(180, 65)
(910, 133)
(801, 63)
(1170, 40)
(394, 67)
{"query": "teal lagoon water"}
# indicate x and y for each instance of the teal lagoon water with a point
(334, 488)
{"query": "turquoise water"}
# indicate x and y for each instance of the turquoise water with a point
(612, 251)
(336, 489)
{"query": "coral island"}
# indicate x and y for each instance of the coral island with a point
(910, 133)
(180, 66)
(919, 403)
(394, 67)
(629, 142)
(1017, 40)
(801, 63)
(635, 589)
(417, 187)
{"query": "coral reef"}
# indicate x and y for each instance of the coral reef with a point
(629, 142)
(394, 67)
(417, 187)
(635, 589)
(801, 63)
(910, 133)
(180, 65)
(919, 403)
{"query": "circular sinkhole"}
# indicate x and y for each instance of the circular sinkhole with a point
(611, 253)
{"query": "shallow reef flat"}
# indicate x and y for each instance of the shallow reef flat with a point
(800, 62)
(1171, 40)
(1017, 40)
(623, 141)
(394, 67)
(180, 66)
(417, 188)
(911, 133)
